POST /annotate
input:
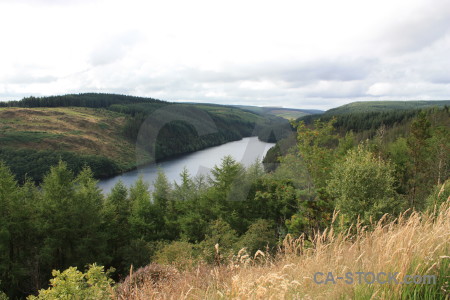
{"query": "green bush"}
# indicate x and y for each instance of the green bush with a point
(259, 236)
(95, 284)
(363, 186)
(178, 253)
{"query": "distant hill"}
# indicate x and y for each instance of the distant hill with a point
(287, 113)
(382, 106)
(371, 109)
(368, 116)
(365, 118)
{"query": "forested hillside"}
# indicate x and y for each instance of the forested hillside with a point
(101, 131)
(384, 106)
(216, 225)
(393, 123)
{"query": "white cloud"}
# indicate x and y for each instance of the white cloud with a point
(289, 53)
(380, 89)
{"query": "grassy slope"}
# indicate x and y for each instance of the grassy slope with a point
(414, 245)
(76, 129)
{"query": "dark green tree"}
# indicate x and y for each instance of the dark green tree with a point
(419, 148)
(116, 216)
(363, 186)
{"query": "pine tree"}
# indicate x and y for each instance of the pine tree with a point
(116, 216)
(91, 241)
(142, 217)
(186, 189)
(418, 144)
(57, 217)
(8, 197)
(162, 191)
(165, 208)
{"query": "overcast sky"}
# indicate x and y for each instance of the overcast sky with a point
(304, 54)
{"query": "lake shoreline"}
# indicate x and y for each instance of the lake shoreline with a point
(170, 157)
(197, 161)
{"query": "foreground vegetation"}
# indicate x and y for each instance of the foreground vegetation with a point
(414, 243)
(286, 221)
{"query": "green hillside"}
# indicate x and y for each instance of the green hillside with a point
(369, 116)
(365, 119)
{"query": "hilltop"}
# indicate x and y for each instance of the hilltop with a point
(368, 116)
(384, 106)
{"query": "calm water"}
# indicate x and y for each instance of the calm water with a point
(246, 151)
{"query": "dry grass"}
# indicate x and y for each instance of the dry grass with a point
(83, 130)
(412, 244)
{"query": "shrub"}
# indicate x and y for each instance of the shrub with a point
(95, 284)
(178, 253)
(363, 186)
(259, 236)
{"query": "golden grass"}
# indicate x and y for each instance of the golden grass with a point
(414, 243)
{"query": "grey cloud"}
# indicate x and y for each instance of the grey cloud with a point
(431, 65)
(224, 85)
(337, 93)
(294, 73)
(440, 78)
(114, 49)
(437, 72)
(51, 2)
(227, 75)
(8, 96)
(25, 78)
(431, 24)
(339, 70)
(317, 84)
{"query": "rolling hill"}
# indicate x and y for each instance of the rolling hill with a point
(383, 106)
(370, 115)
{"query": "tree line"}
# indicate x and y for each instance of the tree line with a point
(370, 121)
(93, 100)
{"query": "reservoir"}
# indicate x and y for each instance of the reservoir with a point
(245, 151)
